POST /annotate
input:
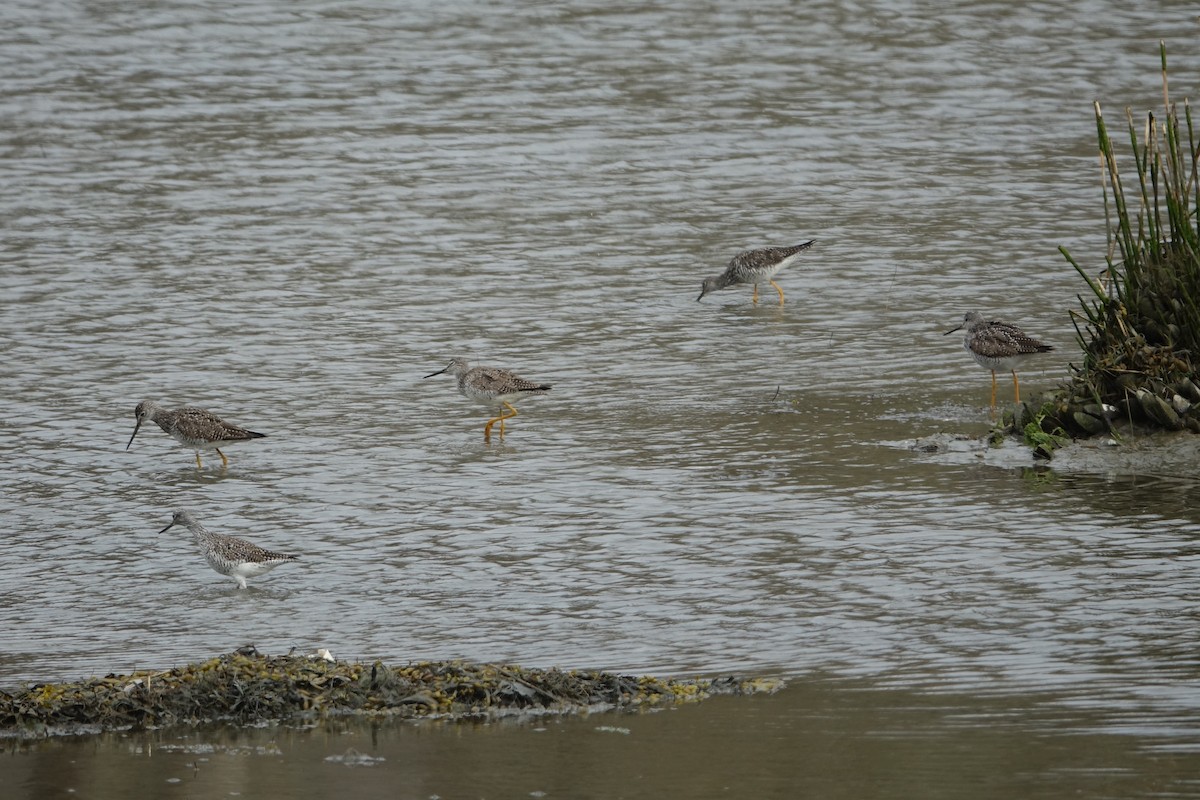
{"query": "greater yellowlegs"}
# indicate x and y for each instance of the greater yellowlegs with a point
(192, 427)
(492, 387)
(754, 267)
(997, 345)
(229, 555)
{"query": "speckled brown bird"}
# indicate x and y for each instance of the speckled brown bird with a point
(192, 427)
(492, 387)
(754, 267)
(998, 345)
(229, 555)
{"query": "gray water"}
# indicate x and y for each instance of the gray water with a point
(288, 213)
(835, 740)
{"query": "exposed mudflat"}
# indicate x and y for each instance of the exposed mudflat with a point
(250, 688)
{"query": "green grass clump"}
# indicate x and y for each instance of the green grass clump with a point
(1140, 332)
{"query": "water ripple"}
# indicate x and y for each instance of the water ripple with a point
(291, 214)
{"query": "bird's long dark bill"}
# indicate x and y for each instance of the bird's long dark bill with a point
(439, 372)
(952, 330)
(701, 297)
(136, 428)
(172, 525)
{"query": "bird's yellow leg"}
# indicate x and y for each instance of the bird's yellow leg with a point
(487, 429)
(756, 294)
(993, 390)
(224, 460)
(1016, 388)
(503, 417)
(198, 464)
(776, 285)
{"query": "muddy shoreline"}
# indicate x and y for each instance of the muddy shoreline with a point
(248, 688)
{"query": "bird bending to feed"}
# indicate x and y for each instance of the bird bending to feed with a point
(492, 387)
(192, 427)
(754, 267)
(229, 555)
(997, 345)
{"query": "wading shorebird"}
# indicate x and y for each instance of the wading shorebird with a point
(754, 267)
(997, 345)
(192, 427)
(229, 555)
(492, 387)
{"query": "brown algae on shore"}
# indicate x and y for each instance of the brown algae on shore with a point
(252, 688)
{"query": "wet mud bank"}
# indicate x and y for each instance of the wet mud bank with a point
(250, 688)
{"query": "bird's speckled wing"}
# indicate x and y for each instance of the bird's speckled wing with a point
(230, 548)
(501, 381)
(753, 266)
(196, 423)
(766, 257)
(1000, 340)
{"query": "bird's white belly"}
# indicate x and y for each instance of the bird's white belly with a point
(995, 363)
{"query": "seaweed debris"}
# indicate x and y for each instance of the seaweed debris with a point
(246, 687)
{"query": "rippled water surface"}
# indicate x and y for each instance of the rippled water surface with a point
(288, 213)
